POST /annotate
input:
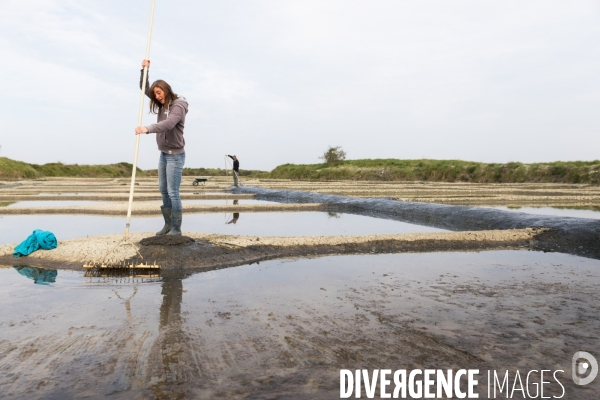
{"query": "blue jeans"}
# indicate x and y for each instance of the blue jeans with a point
(170, 167)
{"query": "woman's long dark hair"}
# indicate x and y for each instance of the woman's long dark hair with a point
(155, 105)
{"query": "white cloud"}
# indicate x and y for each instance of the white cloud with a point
(278, 81)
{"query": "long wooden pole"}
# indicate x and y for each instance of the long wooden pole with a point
(137, 137)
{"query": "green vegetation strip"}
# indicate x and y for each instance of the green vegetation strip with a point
(16, 170)
(13, 170)
(443, 171)
(584, 172)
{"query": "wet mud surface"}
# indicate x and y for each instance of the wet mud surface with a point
(212, 252)
(284, 328)
(167, 240)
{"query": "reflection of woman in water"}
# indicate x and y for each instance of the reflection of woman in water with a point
(236, 216)
(177, 364)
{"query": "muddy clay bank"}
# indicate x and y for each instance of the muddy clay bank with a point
(579, 236)
(211, 251)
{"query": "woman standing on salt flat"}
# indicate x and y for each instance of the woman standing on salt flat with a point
(171, 110)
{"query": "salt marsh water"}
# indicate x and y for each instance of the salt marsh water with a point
(230, 202)
(100, 192)
(50, 203)
(15, 228)
(67, 203)
(582, 212)
(285, 328)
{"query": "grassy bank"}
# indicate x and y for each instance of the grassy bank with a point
(14, 170)
(443, 171)
(369, 170)
(11, 170)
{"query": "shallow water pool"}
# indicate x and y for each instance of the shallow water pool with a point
(51, 203)
(68, 203)
(285, 328)
(15, 228)
(230, 202)
(580, 212)
(124, 192)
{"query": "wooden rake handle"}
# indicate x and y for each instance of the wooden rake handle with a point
(137, 137)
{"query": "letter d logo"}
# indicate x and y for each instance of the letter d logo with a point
(582, 367)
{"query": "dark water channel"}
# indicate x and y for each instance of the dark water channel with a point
(284, 328)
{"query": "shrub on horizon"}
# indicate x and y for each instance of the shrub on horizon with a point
(333, 155)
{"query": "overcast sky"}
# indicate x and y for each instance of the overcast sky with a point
(278, 81)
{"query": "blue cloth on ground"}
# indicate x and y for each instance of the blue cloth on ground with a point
(37, 240)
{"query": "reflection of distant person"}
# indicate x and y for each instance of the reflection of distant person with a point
(236, 169)
(236, 216)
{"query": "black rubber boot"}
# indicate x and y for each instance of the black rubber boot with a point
(166, 212)
(175, 223)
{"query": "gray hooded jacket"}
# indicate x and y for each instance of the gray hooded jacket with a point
(169, 125)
